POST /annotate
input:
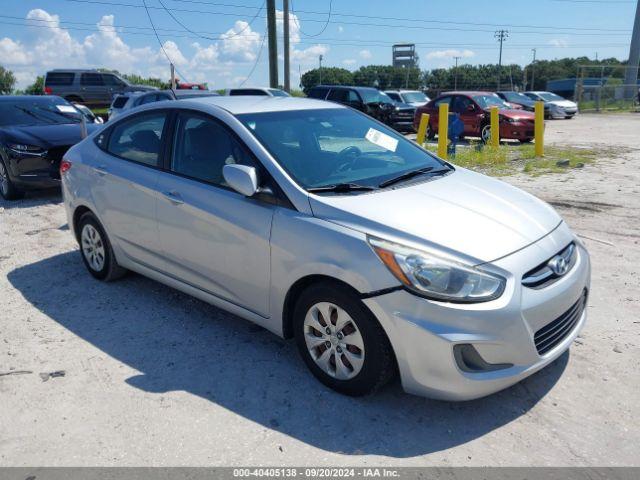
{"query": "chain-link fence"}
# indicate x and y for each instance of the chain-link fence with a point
(603, 88)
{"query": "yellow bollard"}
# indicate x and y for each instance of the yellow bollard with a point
(422, 128)
(443, 130)
(495, 127)
(539, 129)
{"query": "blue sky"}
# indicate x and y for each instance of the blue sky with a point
(222, 48)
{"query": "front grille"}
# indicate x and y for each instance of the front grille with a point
(553, 333)
(55, 154)
(543, 275)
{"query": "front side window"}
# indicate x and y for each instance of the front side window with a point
(337, 95)
(551, 97)
(112, 80)
(442, 100)
(460, 104)
(336, 145)
(202, 147)
(138, 139)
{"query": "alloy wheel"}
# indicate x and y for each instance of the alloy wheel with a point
(93, 247)
(4, 180)
(334, 341)
(486, 133)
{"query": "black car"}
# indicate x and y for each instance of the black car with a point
(35, 132)
(518, 98)
(369, 100)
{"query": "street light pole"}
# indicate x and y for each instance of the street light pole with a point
(501, 35)
(455, 74)
(533, 69)
(287, 73)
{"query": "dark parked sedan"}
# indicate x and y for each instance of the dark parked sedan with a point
(518, 98)
(35, 132)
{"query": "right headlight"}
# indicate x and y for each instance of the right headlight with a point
(438, 278)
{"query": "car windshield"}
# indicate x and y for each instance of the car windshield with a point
(550, 97)
(516, 97)
(374, 96)
(278, 93)
(37, 111)
(488, 101)
(414, 97)
(324, 147)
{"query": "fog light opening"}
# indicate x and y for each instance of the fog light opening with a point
(469, 360)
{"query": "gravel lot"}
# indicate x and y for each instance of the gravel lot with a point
(153, 377)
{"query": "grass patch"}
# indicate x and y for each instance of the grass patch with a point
(100, 111)
(509, 159)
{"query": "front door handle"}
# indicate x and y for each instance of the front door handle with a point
(101, 170)
(173, 197)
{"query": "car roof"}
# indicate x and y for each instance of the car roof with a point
(467, 92)
(261, 103)
(354, 87)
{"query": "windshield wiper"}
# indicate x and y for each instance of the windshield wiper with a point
(411, 174)
(341, 187)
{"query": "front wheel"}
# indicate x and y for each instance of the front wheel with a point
(96, 250)
(525, 140)
(485, 133)
(341, 342)
(7, 189)
(431, 134)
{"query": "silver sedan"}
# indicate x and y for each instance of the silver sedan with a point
(321, 224)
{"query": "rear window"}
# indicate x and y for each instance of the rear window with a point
(247, 91)
(59, 78)
(120, 102)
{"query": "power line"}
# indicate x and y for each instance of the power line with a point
(235, 34)
(323, 28)
(338, 42)
(144, 2)
(384, 25)
(255, 63)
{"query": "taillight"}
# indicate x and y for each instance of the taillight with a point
(48, 91)
(65, 166)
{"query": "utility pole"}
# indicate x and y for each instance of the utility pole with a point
(173, 76)
(631, 78)
(455, 74)
(285, 12)
(533, 68)
(320, 61)
(501, 35)
(273, 43)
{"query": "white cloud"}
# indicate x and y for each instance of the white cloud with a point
(365, 54)
(309, 55)
(450, 54)
(349, 61)
(239, 44)
(558, 42)
(13, 53)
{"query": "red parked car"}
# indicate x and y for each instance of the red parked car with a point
(474, 111)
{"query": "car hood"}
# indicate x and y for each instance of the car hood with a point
(563, 103)
(48, 136)
(463, 213)
(518, 114)
(417, 104)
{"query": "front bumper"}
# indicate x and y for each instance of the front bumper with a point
(33, 171)
(562, 112)
(423, 333)
(521, 130)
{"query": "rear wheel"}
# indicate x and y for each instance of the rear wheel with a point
(341, 342)
(96, 250)
(7, 189)
(431, 134)
(525, 140)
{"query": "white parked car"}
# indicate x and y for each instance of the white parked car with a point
(554, 105)
(415, 98)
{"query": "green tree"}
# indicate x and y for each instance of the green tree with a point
(37, 87)
(330, 76)
(7, 81)
(386, 76)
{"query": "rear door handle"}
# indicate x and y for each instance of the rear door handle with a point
(173, 197)
(101, 170)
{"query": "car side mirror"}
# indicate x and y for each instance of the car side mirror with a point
(242, 178)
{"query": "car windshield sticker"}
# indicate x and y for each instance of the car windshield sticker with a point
(66, 109)
(382, 139)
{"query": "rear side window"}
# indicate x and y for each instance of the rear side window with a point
(202, 147)
(138, 139)
(91, 79)
(338, 95)
(247, 91)
(120, 102)
(59, 78)
(318, 93)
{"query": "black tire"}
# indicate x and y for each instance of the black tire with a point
(379, 364)
(525, 140)
(7, 188)
(109, 269)
(482, 137)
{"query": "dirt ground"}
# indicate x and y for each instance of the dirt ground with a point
(153, 377)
